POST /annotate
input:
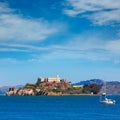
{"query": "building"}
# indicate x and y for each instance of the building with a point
(56, 79)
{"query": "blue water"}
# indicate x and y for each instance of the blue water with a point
(57, 108)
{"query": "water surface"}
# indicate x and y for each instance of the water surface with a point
(57, 108)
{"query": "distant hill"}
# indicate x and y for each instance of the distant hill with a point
(91, 81)
(113, 83)
(97, 81)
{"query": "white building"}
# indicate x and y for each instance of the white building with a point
(56, 79)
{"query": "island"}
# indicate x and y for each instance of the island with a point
(53, 87)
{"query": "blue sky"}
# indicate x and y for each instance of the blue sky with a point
(77, 39)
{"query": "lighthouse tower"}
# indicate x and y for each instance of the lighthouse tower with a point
(57, 78)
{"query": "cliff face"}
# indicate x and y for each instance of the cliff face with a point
(43, 88)
(20, 92)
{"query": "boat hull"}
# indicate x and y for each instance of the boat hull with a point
(108, 101)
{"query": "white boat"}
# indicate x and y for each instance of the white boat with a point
(104, 99)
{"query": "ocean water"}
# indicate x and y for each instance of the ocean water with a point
(57, 108)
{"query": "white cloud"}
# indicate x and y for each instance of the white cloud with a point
(101, 11)
(84, 46)
(12, 50)
(4, 8)
(92, 48)
(113, 46)
(101, 19)
(14, 27)
(8, 60)
(118, 33)
(24, 47)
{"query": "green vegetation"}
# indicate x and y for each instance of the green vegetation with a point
(74, 90)
(91, 88)
(45, 88)
(30, 86)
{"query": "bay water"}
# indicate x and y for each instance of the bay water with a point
(57, 108)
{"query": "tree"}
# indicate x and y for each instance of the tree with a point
(91, 88)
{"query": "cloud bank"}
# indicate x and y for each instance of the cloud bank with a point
(17, 33)
(16, 28)
(100, 12)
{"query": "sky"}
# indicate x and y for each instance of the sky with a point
(77, 39)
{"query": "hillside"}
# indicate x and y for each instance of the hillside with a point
(91, 81)
(112, 87)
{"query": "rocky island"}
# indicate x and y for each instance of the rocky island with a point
(54, 87)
